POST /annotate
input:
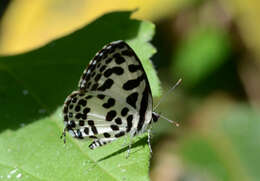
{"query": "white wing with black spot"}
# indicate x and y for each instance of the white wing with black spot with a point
(114, 97)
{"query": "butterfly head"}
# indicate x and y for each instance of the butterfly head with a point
(155, 117)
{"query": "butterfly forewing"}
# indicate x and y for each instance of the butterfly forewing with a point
(114, 97)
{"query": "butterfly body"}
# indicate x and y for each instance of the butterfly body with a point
(114, 98)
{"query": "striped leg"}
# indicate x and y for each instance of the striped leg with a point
(129, 148)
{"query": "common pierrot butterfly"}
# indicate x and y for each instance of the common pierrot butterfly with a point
(114, 98)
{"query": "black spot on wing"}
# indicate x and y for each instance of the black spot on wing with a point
(108, 72)
(106, 85)
(101, 96)
(88, 85)
(128, 52)
(111, 49)
(81, 94)
(131, 84)
(118, 121)
(82, 102)
(65, 109)
(89, 97)
(132, 98)
(111, 115)
(98, 65)
(81, 123)
(83, 116)
(110, 102)
(74, 99)
(115, 70)
(94, 87)
(78, 116)
(86, 130)
(133, 68)
(98, 76)
(102, 68)
(90, 122)
(114, 127)
(108, 60)
(94, 130)
(66, 119)
(74, 94)
(77, 108)
(93, 74)
(124, 111)
(129, 123)
(106, 135)
(118, 58)
(121, 133)
(72, 124)
(120, 44)
(86, 110)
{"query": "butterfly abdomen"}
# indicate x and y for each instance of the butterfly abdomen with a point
(98, 143)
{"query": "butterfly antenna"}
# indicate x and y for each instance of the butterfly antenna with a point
(171, 121)
(169, 91)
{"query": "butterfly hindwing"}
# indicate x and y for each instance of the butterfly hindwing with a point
(114, 97)
(98, 115)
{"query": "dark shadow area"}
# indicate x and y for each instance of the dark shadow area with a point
(220, 80)
(164, 43)
(34, 84)
(224, 78)
(3, 7)
(140, 142)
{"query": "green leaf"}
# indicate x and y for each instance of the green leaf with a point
(38, 153)
(230, 151)
(34, 84)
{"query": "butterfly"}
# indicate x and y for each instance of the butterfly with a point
(114, 98)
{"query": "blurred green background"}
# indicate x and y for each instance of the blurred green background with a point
(213, 45)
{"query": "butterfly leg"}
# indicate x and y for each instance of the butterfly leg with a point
(129, 148)
(125, 141)
(149, 140)
(63, 135)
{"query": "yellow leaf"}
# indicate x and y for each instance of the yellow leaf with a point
(28, 24)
